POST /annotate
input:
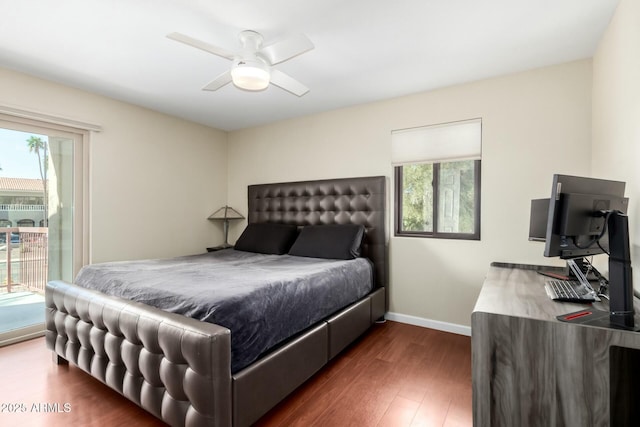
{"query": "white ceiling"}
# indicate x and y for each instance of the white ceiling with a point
(365, 50)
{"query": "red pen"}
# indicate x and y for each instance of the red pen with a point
(578, 315)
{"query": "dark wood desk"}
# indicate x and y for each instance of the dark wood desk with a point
(529, 369)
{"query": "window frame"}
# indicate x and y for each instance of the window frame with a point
(398, 188)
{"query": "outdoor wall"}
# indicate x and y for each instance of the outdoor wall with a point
(154, 179)
(17, 204)
(16, 214)
(616, 112)
(535, 124)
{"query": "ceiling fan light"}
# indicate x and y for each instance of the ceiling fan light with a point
(250, 75)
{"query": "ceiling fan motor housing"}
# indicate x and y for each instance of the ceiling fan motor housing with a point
(251, 41)
(249, 71)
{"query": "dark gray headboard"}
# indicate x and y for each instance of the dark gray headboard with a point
(331, 201)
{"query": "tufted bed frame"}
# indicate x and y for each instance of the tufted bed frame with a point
(178, 368)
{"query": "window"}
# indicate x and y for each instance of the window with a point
(437, 180)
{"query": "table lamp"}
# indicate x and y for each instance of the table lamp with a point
(225, 214)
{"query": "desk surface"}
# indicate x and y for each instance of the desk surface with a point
(513, 290)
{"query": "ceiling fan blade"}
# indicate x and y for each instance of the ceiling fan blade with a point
(219, 81)
(201, 45)
(288, 83)
(286, 49)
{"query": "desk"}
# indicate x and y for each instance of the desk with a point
(530, 369)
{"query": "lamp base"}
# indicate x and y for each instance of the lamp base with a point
(219, 248)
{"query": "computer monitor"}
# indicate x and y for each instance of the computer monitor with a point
(576, 221)
(538, 220)
(587, 216)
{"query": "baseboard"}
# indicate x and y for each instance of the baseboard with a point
(22, 334)
(428, 323)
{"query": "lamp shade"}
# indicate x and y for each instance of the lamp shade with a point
(225, 213)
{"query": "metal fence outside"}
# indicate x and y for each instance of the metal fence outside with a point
(23, 258)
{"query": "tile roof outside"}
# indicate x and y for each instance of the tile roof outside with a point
(20, 184)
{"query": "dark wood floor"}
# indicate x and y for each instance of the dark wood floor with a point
(396, 375)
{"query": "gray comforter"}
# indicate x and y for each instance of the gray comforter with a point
(262, 299)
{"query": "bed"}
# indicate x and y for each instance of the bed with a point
(180, 368)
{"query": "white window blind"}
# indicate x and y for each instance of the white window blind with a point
(438, 143)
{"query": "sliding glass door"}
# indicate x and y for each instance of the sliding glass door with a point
(41, 219)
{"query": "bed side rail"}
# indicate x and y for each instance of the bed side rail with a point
(175, 367)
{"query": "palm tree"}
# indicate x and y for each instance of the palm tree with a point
(36, 144)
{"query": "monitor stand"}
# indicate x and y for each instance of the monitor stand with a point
(620, 275)
(621, 314)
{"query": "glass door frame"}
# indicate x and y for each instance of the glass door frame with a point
(80, 232)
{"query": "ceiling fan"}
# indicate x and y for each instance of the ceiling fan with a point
(252, 67)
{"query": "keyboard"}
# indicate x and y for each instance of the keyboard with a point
(569, 291)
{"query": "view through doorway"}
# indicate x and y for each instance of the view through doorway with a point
(38, 192)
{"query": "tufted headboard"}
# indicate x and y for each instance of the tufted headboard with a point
(331, 201)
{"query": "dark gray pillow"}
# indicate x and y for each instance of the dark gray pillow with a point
(267, 238)
(336, 241)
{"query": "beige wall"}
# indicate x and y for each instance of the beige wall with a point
(535, 124)
(616, 111)
(154, 178)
